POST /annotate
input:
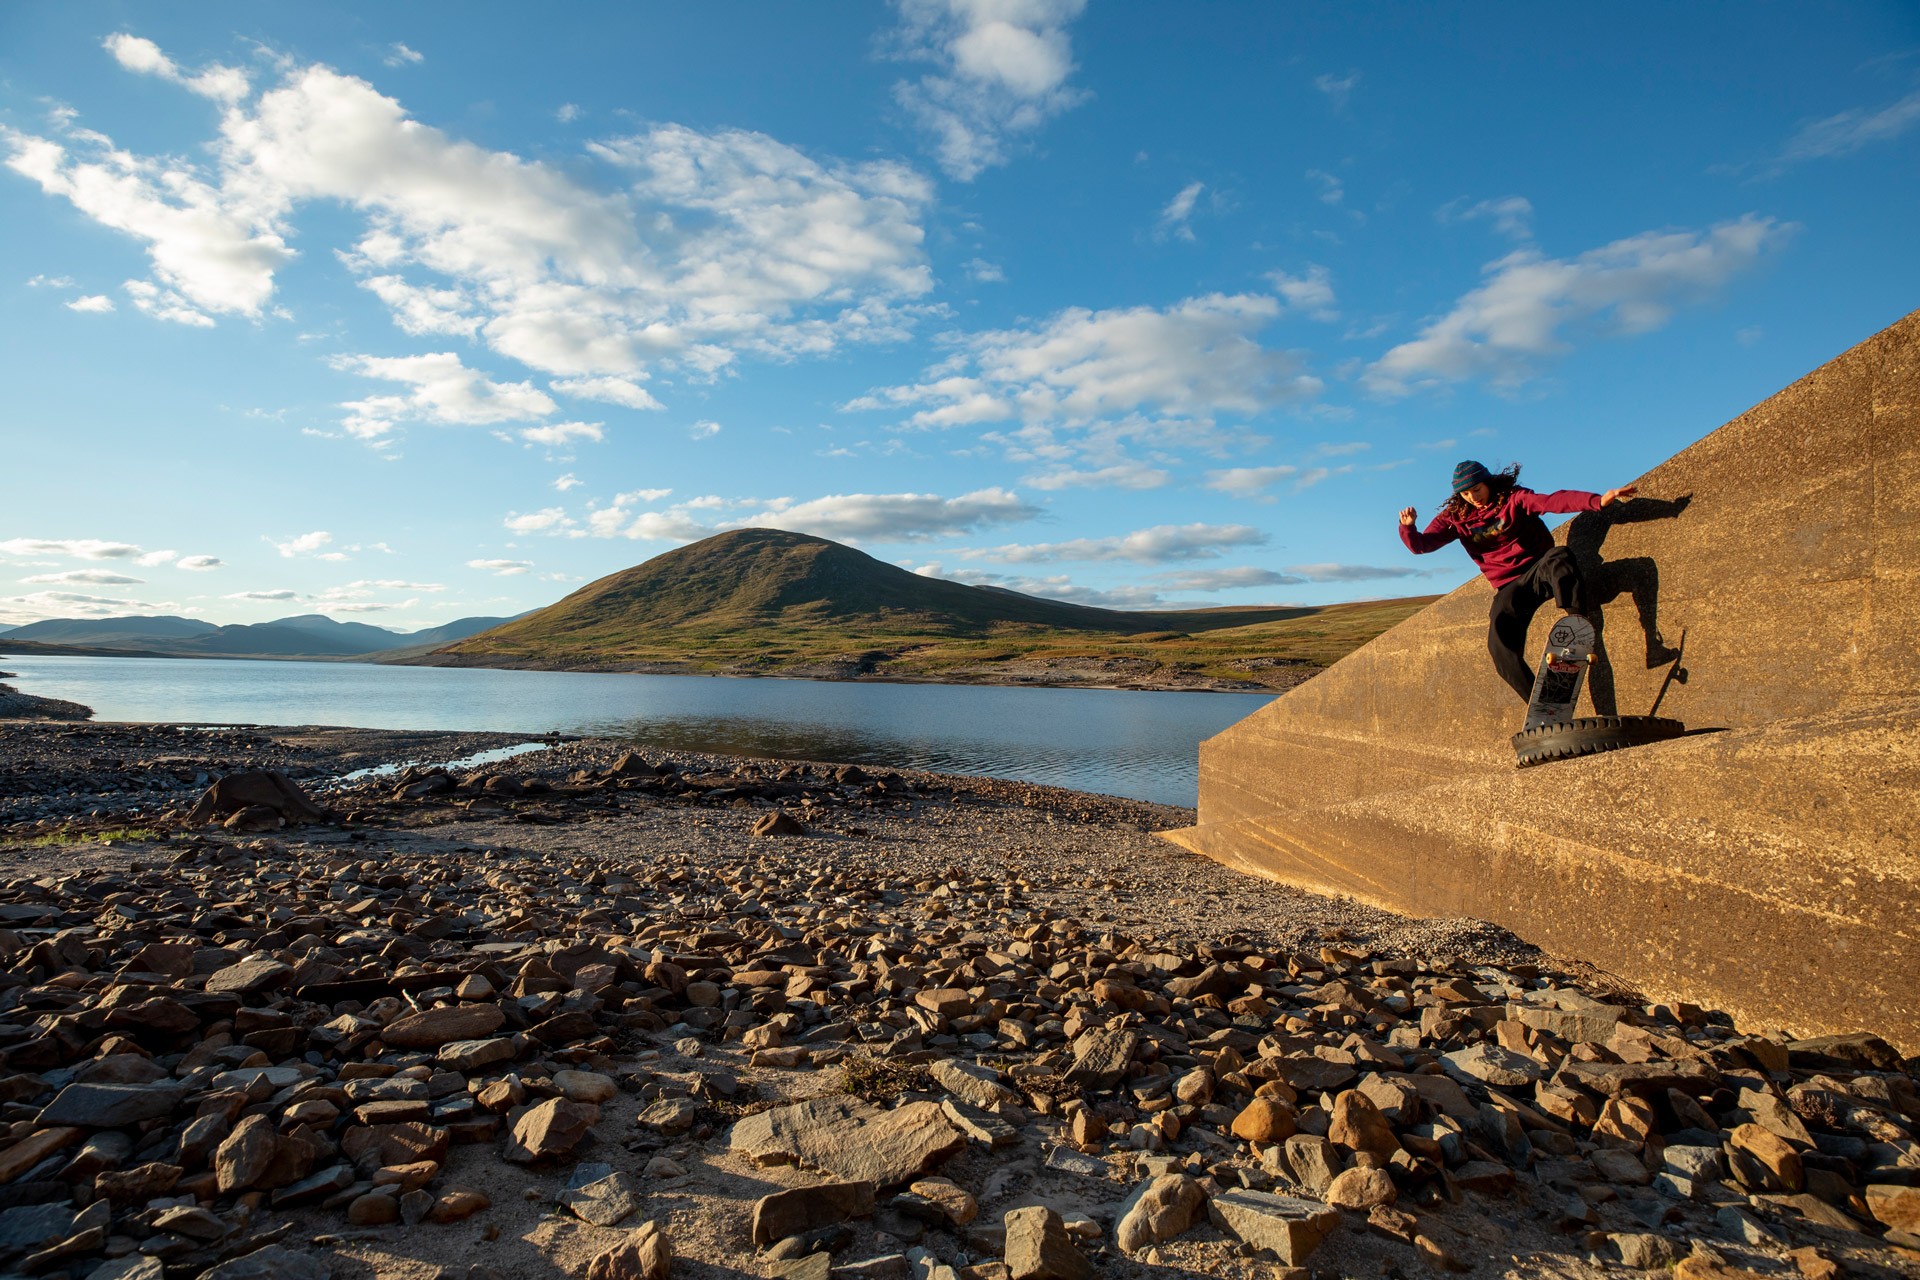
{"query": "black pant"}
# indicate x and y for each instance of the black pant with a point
(1554, 576)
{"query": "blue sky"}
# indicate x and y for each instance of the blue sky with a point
(403, 313)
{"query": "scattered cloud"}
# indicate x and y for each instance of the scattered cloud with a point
(50, 282)
(1509, 327)
(537, 521)
(1161, 544)
(702, 430)
(1224, 579)
(980, 271)
(1749, 335)
(1199, 357)
(395, 584)
(305, 544)
(153, 559)
(92, 302)
(1511, 216)
(69, 604)
(282, 593)
(558, 434)
(1332, 190)
(398, 55)
(78, 548)
(622, 391)
(1002, 73)
(844, 517)
(440, 390)
(1339, 89)
(1253, 482)
(703, 246)
(200, 564)
(85, 578)
(502, 568)
(568, 481)
(1058, 586)
(1124, 475)
(1351, 572)
(568, 112)
(1311, 293)
(1848, 131)
(1174, 218)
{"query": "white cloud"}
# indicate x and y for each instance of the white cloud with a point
(92, 302)
(1351, 572)
(1332, 190)
(624, 391)
(333, 556)
(222, 84)
(1511, 215)
(68, 604)
(281, 593)
(1339, 89)
(200, 564)
(981, 271)
(537, 521)
(1057, 586)
(1173, 218)
(1124, 475)
(1225, 579)
(398, 55)
(78, 548)
(1253, 482)
(708, 244)
(395, 584)
(557, 434)
(1199, 356)
(305, 544)
(567, 113)
(568, 481)
(1161, 544)
(442, 390)
(366, 607)
(1311, 293)
(153, 559)
(84, 578)
(1847, 132)
(702, 429)
(1506, 329)
(502, 568)
(845, 517)
(1003, 68)
(50, 282)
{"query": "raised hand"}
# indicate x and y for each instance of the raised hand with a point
(1406, 516)
(1612, 496)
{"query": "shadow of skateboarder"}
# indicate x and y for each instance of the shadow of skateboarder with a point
(1608, 580)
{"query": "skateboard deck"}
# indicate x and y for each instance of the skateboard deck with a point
(1563, 670)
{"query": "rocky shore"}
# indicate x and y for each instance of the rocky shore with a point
(586, 1012)
(15, 705)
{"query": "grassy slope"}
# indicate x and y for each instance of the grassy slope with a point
(765, 599)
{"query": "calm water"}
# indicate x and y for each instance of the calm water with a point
(1140, 745)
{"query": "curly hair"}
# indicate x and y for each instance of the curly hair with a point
(1500, 483)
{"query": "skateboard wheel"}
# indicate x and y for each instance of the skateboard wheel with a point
(1590, 735)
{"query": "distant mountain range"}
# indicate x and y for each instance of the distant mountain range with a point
(310, 635)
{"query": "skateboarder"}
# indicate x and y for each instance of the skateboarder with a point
(1499, 523)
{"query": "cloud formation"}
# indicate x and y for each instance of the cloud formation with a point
(843, 517)
(85, 577)
(1506, 330)
(502, 568)
(1848, 131)
(1161, 544)
(78, 548)
(1002, 72)
(1174, 218)
(707, 245)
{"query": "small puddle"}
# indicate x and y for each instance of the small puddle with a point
(464, 762)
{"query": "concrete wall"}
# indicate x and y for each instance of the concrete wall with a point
(1763, 586)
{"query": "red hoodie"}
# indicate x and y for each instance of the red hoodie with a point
(1503, 537)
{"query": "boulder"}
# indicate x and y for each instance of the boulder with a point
(549, 1129)
(643, 1255)
(1291, 1227)
(1158, 1210)
(851, 1139)
(788, 1213)
(265, 788)
(1039, 1248)
(432, 1028)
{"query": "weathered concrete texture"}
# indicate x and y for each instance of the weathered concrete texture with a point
(1764, 586)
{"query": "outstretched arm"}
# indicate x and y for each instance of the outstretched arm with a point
(1436, 535)
(1570, 500)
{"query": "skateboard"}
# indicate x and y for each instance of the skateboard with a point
(1563, 669)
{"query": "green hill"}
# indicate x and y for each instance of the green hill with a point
(773, 602)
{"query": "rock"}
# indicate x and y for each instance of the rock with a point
(812, 1266)
(551, 1128)
(1484, 1175)
(1039, 1248)
(669, 1115)
(1358, 1126)
(249, 977)
(1489, 1064)
(605, 1201)
(35, 1147)
(1897, 1207)
(585, 1086)
(1619, 1166)
(1264, 1120)
(274, 1262)
(1361, 1189)
(32, 1227)
(1159, 1211)
(1313, 1162)
(851, 1139)
(457, 1204)
(255, 788)
(312, 1189)
(948, 1002)
(1292, 1228)
(1647, 1252)
(970, 1083)
(644, 1255)
(979, 1126)
(1784, 1169)
(1775, 1117)
(431, 1028)
(374, 1209)
(1101, 1058)
(1593, 1024)
(134, 1266)
(779, 823)
(243, 1159)
(788, 1213)
(109, 1106)
(142, 1182)
(956, 1204)
(1813, 1265)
